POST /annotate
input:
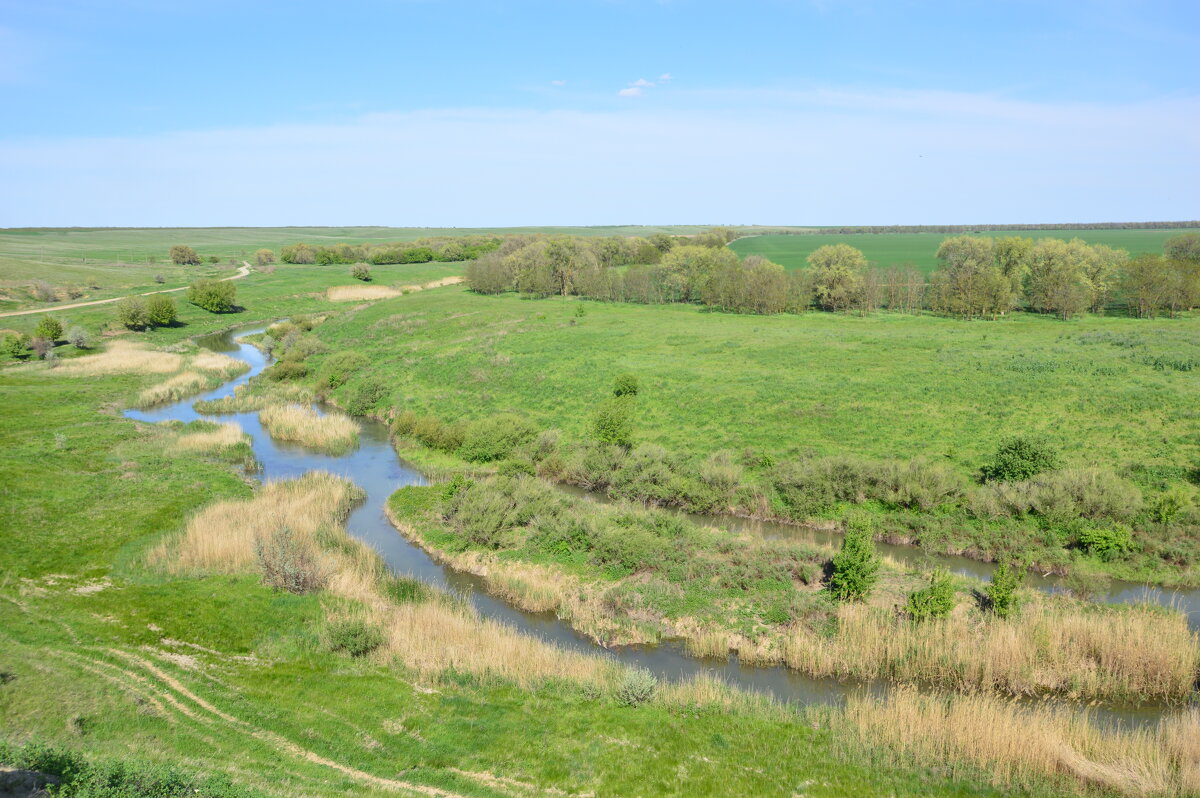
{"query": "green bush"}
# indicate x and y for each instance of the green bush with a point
(183, 255)
(1020, 458)
(625, 384)
(161, 310)
(494, 438)
(359, 271)
(935, 601)
(612, 422)
(78, 337)
(637, 687)
(855, 567)
(353, 636)
(365, 396)
(338, 368)
(49, 328)
(16, 346)
(1107, 543)
(132, 313)
(1002, 590)
(287, 370)
(215, 296)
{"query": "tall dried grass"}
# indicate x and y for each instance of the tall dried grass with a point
(224, 436)
(1135, 652)
(223, 365)
(302, 424)
(360, 293)
(122, 357)
(175, 388)
(1022, 744)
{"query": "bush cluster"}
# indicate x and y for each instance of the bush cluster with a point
(215, 296)
(287, 564)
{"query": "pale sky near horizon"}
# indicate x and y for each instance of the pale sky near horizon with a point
(577, 112)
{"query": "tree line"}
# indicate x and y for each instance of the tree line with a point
(442, 249)
(966, 228)
(977, 277)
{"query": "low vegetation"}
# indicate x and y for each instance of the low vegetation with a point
(302, 424)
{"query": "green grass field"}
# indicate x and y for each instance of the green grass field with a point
(920, 249)
(888, 385)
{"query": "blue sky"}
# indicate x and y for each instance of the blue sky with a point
(578, 112)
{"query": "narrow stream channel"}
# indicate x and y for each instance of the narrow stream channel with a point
(375, 467)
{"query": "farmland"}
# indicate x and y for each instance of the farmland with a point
(919, 249)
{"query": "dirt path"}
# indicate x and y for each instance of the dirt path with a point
(242, 272)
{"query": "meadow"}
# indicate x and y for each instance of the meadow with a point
(920, 249)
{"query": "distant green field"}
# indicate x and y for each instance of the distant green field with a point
(919, 249)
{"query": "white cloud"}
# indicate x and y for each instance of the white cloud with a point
(641, 83)
(664, 77)
(633, 91)
(558, 83)
(813, 159)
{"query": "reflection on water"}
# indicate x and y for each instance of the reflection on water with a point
(375, 467)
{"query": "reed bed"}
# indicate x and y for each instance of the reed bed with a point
(221, 538)
(303, 425)
(122, 357)
(1019, 744)
(1125, 653)
(225, 436)
(360, 293)
(222, 365)
(175, 388)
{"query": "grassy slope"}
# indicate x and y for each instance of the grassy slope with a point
(919, 249)
(91, 669)
(883, 386)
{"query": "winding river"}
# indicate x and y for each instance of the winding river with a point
(375, 467)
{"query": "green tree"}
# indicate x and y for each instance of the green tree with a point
(689, 268)
(1184, 247)
(1147, 282)
(16, 346)
(215, 296)
(1002, 590)
(183, 255)
(132, 314)
(1020, 458)
(837, 275)
(976, 279)
(613, 421)
(49, 328)
(855, 566)
(935, 601)
(1058, 277)
(161, 310)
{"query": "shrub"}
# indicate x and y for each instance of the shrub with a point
(215, 296)
(184, 255)
(16, 346)
(42, 291)
(78, 337)
(855, 567)
(1002, 590)
(625, 384)
(49, 328)
(637, 686)
(264, 257)
(365, 397)
(41, 346)
(161, 310)
(612, 422)
(132, 313)
(287, 370)
(353, 636)
(1020, 458)
(495, 438)
(935, 601)
(339, 366)
(287, 564)
(1107, 543)
(158, 278)
(359, 271)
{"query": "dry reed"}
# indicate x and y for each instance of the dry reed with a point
(1022, 744)
(303, 425)
(1130, 652)
(357, 293)
(175, 388)
(122, 357)
(224, 436)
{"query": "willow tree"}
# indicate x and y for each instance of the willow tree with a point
(837, 275)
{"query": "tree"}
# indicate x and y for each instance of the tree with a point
(837, 275)
(264, 257)
(41, 346)
(298, 253)
(78, 337)
(1058, 278)
(1147, 283)
(132, 314)
(689, 268)
(855, 566)
(1002, 590)
(16, 346)
(183, 255)
(1184, 247)
(976, 278)
(935, 601)
(215, 296)
(49, 328)
(1020, 458)
(612, 422)
(161, 310)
